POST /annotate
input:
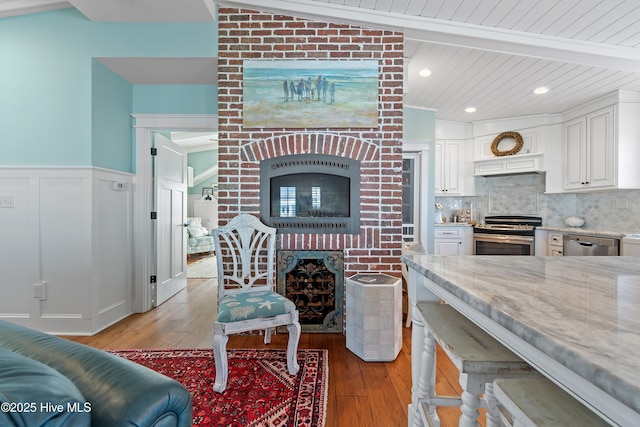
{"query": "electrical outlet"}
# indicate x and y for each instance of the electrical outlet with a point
(7, 201)
(40, 290)
(620, 203)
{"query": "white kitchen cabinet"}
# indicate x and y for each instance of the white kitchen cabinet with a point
(208, 211)
(631, 246)
(453, 240)
(554, 244)
(601, 148)
(448, 170)
(590, 151)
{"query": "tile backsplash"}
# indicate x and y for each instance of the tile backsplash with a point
(524, 194)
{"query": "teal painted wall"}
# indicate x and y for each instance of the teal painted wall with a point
(111, 136)
(175, 99)
(420, 125)
(48, 92)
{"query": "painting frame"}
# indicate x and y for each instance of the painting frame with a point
(302, 94)
(207, 191)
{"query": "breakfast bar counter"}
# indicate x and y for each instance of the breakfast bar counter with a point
(574, 319)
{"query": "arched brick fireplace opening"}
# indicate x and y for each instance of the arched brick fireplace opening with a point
(310, 182)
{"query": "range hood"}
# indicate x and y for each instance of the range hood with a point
(509, 165)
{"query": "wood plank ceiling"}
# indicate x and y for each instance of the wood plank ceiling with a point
(498, 83)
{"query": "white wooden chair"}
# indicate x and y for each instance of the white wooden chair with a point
(247, 301)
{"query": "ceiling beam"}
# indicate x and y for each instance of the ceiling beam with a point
(456, 33)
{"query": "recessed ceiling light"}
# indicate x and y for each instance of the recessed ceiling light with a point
(470, 109)
(425, 72)
(541, 90)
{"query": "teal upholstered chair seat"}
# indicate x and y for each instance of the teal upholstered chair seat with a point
(253, 305)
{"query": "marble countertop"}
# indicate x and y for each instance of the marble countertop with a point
(454, 224)
(583, 312)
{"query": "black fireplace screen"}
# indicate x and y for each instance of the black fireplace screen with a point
(310, 193)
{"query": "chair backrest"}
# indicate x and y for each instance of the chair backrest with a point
(245, 254)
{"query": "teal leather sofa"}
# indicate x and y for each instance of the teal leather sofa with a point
(47, 380)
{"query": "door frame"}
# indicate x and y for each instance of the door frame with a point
(143, 249)
(425, 149)
(416, 156)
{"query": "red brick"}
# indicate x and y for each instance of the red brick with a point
(379, 241)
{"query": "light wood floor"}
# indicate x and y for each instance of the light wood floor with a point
(359, 394)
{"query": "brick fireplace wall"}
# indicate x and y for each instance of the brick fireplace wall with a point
(252, 35)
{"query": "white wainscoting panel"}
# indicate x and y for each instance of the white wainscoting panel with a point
(65, 247)
(17, 261)
(67, 256)
(113, 248)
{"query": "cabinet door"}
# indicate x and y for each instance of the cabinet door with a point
(452, 167)
(447, 247)
(466, 248)
(590, 150)
(555, 251)
(575, 153)
(439, 184)
(601, 149)
(447, 168)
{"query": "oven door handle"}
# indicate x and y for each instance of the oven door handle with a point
(501, 238)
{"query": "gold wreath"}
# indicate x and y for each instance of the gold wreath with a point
(515, 135)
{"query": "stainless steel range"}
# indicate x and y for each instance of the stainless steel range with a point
(506, 235)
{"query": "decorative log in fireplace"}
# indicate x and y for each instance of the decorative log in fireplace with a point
(310, 193)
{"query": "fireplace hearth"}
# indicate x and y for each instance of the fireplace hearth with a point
(310, 193)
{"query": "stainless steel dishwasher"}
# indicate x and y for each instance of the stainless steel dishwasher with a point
(582, 245)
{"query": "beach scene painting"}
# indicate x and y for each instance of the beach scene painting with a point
(310, 94)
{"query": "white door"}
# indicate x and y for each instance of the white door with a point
(170, 196)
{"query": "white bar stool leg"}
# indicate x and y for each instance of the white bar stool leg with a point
(493, 418)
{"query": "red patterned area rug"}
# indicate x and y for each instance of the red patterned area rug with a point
(260, 391)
